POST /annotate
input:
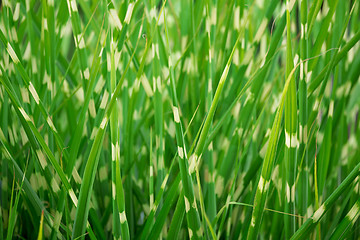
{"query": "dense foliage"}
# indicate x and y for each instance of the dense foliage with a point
(216, 119)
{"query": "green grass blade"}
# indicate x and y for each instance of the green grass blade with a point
(263, 184)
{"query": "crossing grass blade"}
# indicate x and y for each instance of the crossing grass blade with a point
(90, 170)
(311, 223)
(348, 221)
(264, 181)
(192, 215)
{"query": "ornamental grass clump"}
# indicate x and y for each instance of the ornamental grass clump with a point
(179, 119)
